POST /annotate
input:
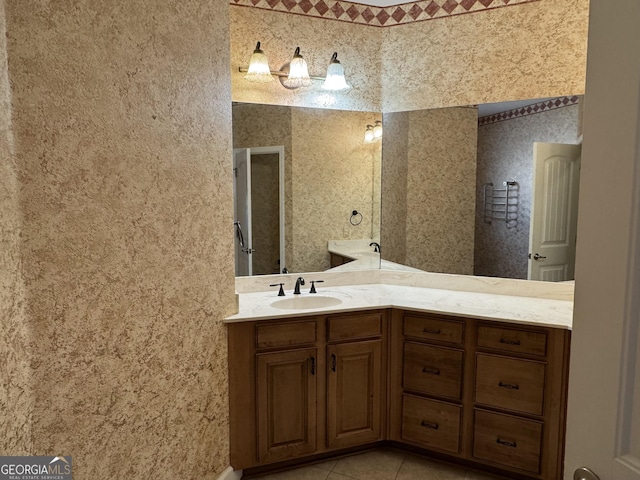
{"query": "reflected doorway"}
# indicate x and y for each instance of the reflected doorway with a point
(258, 201)
(554, 212)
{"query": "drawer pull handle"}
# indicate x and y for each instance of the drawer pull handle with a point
(509, 342)
(507, 443)
(509, 386)
(432, 331)
(431, 371)
(432, 426)
(333, 362)
(313, 365)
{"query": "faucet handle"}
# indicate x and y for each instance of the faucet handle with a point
(281, 292)
(313, 285)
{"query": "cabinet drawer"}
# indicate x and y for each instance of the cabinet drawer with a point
(354, 327)
(285, 334)
(433, 370)
(507, 440)
(512, 340)
(431, 423)
(427, 328)
(510, 383)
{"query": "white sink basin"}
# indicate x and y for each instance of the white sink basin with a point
(299, 302)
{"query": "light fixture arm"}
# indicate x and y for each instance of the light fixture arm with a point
(278, 73)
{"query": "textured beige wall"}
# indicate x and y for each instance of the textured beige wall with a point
(494, 55)
(16, 389)
(439, 192)
(329, 172)
(395, 145)
(332, 175)
(358, 48)
(505, 152)
(122, 126)
(532, 50)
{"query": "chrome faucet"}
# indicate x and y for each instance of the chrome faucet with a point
(299, 281)
(376, 246)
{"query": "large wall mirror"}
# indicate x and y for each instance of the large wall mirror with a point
(458, 189)
(328, 172)
(448, 190)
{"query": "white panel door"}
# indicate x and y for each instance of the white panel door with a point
(554, 213)
(242, 211)
(603, 417)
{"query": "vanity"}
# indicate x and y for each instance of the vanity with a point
(467, 369)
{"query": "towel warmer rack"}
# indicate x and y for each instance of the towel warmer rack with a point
(501, 203)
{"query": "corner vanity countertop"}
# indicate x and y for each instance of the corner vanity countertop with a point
(521, 309)
(362, 255)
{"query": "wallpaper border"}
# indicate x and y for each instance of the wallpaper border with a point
(351, 12)
(539, 107)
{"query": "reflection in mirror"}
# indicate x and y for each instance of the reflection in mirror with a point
(444, 189)
(329, 172)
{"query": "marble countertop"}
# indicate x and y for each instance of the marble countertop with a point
(519, 309)
(362, 255)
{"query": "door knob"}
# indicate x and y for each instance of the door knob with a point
(583, 473)
(537, 256)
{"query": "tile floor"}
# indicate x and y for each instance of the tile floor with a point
(381, 464)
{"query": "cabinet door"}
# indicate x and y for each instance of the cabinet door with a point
(354, 382)
(286, 391)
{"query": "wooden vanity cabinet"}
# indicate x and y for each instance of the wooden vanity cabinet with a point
(273, 390)
(482, 393)
(356, 379)
(429, 370)
(299, 387)
(520, 398)
(286, 404)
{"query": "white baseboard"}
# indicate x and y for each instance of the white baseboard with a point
(230, 474)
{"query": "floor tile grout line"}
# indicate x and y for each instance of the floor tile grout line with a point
(404, 457)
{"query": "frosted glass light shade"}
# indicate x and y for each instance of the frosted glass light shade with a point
(298, 72)
(368, 134)
(377, 130)
(258, 70)
(335, 75)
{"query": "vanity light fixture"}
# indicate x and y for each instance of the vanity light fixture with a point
(298, 72)
(258, 70)
(373, 133)
(368, 134)
(335, 75)
(377, 130)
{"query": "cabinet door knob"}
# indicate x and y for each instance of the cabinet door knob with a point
(333, 362)
(507, 443)
(313, 365)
